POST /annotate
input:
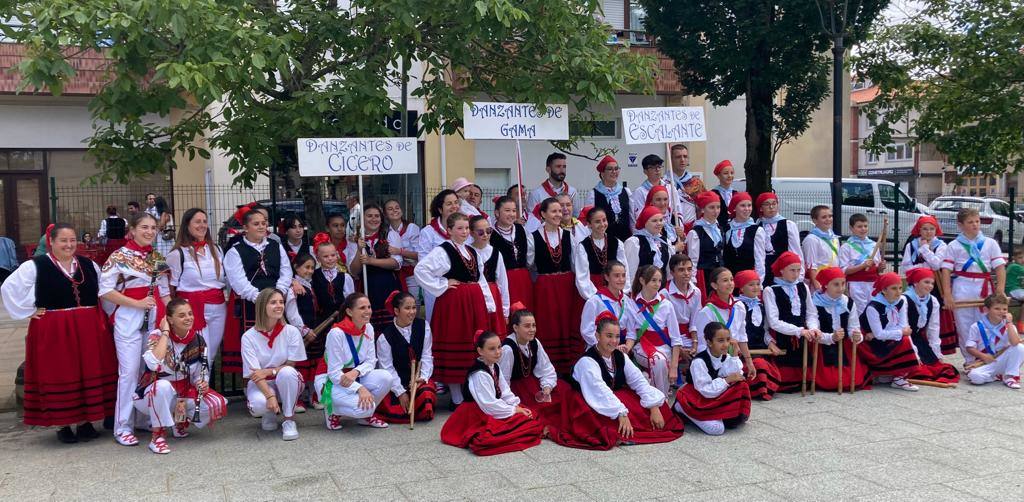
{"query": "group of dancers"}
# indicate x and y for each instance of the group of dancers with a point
(650, 308)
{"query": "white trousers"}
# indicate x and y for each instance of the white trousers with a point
(287, 387)
(709, 427)
(965, 318)
(861, 293)
(660, 378)
(128, 340)
(1006, 365)
(346, 401)
(160, 398)
(213, 333)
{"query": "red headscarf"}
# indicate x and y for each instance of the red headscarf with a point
(608, 159)
(319, 239)
(655, 190)
(827, 275)
(745, 277)
(605, 315)
(736, 199)
(646, 214)
(765, 197)
(584, 214)
(929, 219)
(722, 165)
(784, 260)
(239, 215)
(705, 198)
(917, 275)
(884, 281)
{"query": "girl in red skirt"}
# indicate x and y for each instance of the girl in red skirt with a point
(923, 312)
(791, 318)
(491, 422)
(406, 341)
(765, 382)
(494, 271)
(717, 396)
(558, 304)
(613, 403)
(453, 273)
(591, 255)
(526, 368)
(888, 350)
(511, 244)
(432, 235)
(839, 324)
(70, 361)
(925, 251)
(705, 242)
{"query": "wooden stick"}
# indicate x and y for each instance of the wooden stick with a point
(853, 366)
(803, 378)
(929, 383)
(967, 305)
(814, 368)
(841, 343)
(764, 352)
(414, 379)
(323, 325)
(880, 243)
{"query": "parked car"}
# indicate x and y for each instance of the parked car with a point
(285, 208)
(877, 199)
(995, 216)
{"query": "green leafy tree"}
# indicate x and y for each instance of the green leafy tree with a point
(255, 75)
(772, 52)
(952, 76)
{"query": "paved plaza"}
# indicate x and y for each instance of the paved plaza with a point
(958, 444)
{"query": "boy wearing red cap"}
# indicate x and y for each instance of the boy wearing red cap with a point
(744, 240)
(792, 318)
(782, 234)
(855, 258)
(652, 166)
(614, 198)
(967, 268)
(726, 174)
(995, 345)
(840, 324)
(704, 243)
(821, 246)
(923, 317)
(765, 383)
(888, 350)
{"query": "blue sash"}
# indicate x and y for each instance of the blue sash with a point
(657, 329)
(618, 315)
(355, 352)
(984, 338)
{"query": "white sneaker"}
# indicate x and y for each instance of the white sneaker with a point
(126, 439)
(333, 422)
(374, 422)
(903, 384)
(299, 407)
(289, 431)
(269, 422)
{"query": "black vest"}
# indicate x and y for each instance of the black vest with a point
(303, 248)
(505, 248)
(723, 214)
(251, 264)
(307, 306)
(755, 334)
(830, 353)
(785, 305)
(458, 270)
(646, 252)
(491, 266)
(865, 326)
(542, 258)
(913, 316)
(522, 366)
(612, 249)
(705, 356)
(710, 256)
(614, 382)
(780, 243)
(618, 224)
(479, 365)
(329, 295)
(400, 349)
(741, 258)
(55, 291)
(115, 227)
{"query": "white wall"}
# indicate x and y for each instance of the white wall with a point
(44, 126)
(725, 125)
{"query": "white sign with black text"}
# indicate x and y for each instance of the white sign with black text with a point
(663, 124)
(357, 156)
(515, 121)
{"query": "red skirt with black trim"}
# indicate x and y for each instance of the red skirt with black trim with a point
(584, 428)
(765, 383)
(827, 377)
(948, 339)
(549, 413)
(936, 372)
(520, 287)
(498, 323)
(458, 314)
(70, 368)
(598, 280)
(558, 310)
(391, 411)
(896, 358)
(234, 327)
(731, 406)
(469, 427)
(404, 274)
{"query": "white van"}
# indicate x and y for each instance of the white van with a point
(876, 199)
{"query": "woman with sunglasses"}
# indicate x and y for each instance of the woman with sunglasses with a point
(494, 271)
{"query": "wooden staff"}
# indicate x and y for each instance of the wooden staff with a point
(803, 378)
(880, 244)
(853, 365)
(968, 305)
(764, 352)
(814, 368)
(323, 325)
(841, 343)
(929, 383)
(414, 378)
(979, 363)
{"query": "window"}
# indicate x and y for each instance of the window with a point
(872, 158)
(858, 194)
(999, 207)
(899, 151)
(21, 160)
(637, 14)
(894, 198)
(593, 128)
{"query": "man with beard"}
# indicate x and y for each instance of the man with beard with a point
(555, 185)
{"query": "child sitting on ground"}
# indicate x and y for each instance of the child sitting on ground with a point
(995, 345)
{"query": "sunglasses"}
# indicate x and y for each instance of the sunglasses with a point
(483, 232)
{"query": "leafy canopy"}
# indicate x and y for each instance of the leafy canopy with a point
(255, 75)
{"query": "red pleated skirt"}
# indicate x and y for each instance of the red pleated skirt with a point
(391, 411)
(404, 274)
(827, 377)
(733, 406)
(70, 368)
(947, 332)
(896, 358)
(558, 309)
(458, 314)
(584, 428)
(597, 280)
(766, 382)
(498, 323)
(234, 327)
(469, 427)
(550, 413)
(520, 287)
(936, 372)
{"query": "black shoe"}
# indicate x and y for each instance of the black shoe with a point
(64, 435)
(86, 432)
(108, 423)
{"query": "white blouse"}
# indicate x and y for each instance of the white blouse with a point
(481, 386)
(601, 398)
(193, 372)
(431, 268)
(386, 363)
(542, 368)
(623, 309)
(187, 275)
(133, 278)
(500, 276)
(932, 259)
(340, 357)
(19, 289)
(896, 322)
(581, 265)
(707, 386)
(257, 354)
(665, 317)
(710, 313)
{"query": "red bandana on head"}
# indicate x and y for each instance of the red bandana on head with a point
(272, 335)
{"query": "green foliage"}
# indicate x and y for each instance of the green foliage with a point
(956, 71)
(254, 75)
(775, 53)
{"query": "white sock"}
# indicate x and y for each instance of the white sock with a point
(456, 392)
(710, 427)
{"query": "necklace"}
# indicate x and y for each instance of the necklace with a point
(510, 237)
(556, 252)
(602, 254)
(469, 263)
(70, 276)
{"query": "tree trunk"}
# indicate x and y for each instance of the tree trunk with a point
(312, 197)
(758, 133)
